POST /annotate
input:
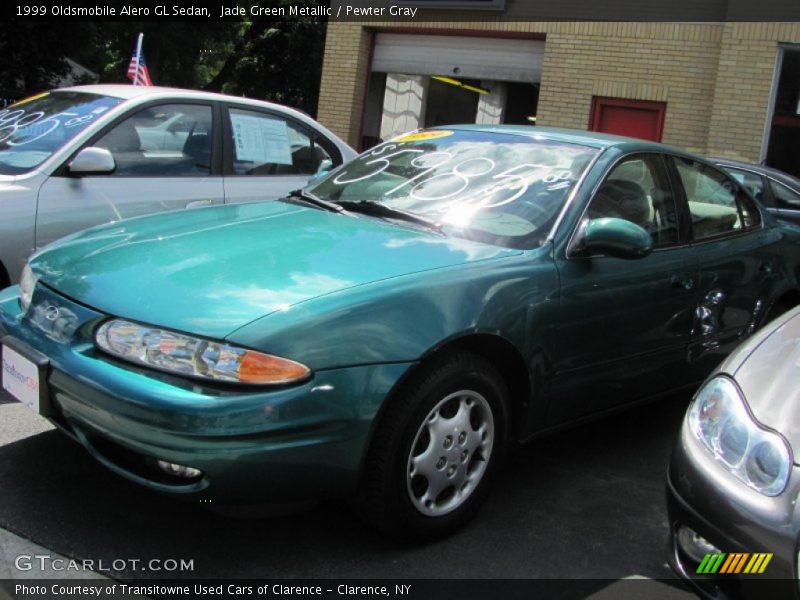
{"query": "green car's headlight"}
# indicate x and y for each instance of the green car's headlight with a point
(720, 420)
(27, 282)
(195, 357)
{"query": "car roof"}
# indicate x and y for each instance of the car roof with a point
(594, 139)
(781, 176)
(131, 92)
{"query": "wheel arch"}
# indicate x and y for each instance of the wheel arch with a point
(499, 351)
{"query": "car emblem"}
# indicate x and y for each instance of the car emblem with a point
(51, 313)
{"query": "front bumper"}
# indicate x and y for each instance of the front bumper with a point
(265, 445)
(704, 496)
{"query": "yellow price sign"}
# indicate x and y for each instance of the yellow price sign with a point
(30, 99)
(420, 136)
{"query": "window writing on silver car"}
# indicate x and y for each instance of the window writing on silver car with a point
(33, 129)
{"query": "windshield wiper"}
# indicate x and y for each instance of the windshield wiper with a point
(310, 198)
(370, 207)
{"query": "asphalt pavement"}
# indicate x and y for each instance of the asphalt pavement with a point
(585, 503)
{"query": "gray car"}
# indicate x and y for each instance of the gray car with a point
(779, 192)
(81, 156)
(734, 479)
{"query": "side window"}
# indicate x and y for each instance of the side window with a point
(270, 145)
(717, 206)
(785, 197)
(752, 182)
(167, 140)
(638, 190)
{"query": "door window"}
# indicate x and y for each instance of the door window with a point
(167, 140)
(785, 197)
(716, 204)
(270, 145)
(637, 190)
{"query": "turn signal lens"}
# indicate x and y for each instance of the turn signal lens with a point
(263, 368)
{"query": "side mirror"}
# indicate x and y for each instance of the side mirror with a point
(92, 161)
(614, 237)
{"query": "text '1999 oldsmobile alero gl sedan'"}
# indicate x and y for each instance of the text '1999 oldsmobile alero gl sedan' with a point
(389, 332)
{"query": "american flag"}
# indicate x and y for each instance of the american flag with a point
(137, 69)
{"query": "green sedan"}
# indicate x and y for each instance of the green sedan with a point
(390, 332)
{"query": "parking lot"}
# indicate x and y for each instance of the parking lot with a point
(585, 503)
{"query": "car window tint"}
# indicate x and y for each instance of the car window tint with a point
(752, 182)
(785, 197)
(637, 190)
(167, 140)
(717, 206)
(270, 145)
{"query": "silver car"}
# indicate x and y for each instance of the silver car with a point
(80, 156)
(734, 477)
(779, 192)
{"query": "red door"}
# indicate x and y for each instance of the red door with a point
(635, 118)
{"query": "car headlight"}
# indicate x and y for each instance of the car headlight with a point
(720, 420)
(27, 282)
(195, 357)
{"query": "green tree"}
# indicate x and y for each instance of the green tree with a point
(32, 55)
(277, 59)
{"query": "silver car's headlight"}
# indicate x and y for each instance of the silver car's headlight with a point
(27, 282)
(195, 357)
(720, 420)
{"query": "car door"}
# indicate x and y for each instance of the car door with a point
(735, 264)
(625, 324)
(268, 154)
(166, 158)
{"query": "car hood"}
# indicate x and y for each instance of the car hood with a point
(211, 271)
(769, 377)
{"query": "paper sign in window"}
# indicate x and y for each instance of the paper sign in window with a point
(261, 140)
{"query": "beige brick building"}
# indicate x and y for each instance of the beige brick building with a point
(728, 89)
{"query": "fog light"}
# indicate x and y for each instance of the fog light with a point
(179, 470)
(694, 545)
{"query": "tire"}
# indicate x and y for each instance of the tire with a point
(456, 405)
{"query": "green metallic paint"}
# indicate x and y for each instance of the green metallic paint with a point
(210, 271)
(243, 440)
(614, 237)
(363, 302)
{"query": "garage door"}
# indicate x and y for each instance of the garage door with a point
(459, 56)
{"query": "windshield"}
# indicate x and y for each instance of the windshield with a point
(33, 129)
(495, 188)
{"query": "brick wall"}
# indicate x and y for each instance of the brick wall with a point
(715, 78)
(744, 81)
(672, 63)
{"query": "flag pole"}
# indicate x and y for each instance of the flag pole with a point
(139, 48)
